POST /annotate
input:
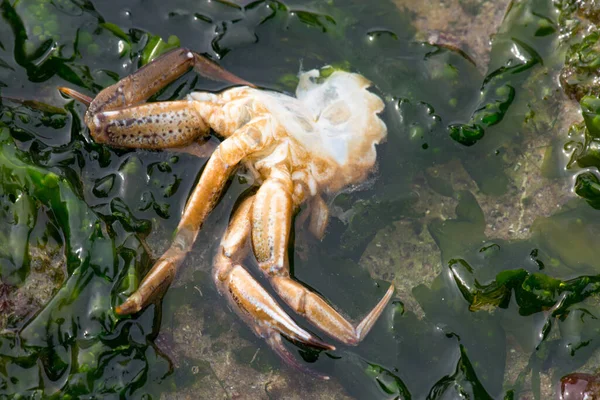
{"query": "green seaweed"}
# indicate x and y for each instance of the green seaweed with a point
(528, 278)
(156, 46)
(462, 383)
(579, 75)
(584, 143)
(526, 33)
(79, 317)
(587, 185)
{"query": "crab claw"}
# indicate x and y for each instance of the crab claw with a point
(76, 95)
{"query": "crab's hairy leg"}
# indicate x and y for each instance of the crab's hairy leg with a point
(271, 222)
(204, 197)
(249, 299)
(251, 302)
(149, 126)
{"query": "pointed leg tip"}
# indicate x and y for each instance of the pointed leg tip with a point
(130, 306)
(319, 344)
(75, 95)
(390, 290)
(367, 323)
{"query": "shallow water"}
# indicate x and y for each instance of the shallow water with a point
(471, 213)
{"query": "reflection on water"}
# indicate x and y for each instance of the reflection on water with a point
(470, 214)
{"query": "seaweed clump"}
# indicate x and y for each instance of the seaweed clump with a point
(578, 21)
(581, 77)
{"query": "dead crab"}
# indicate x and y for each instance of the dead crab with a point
(297, 148)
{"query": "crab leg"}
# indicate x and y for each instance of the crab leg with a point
(271, 222)
(251, 302)
(200, 203)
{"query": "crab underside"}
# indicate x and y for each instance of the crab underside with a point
(298, 148)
